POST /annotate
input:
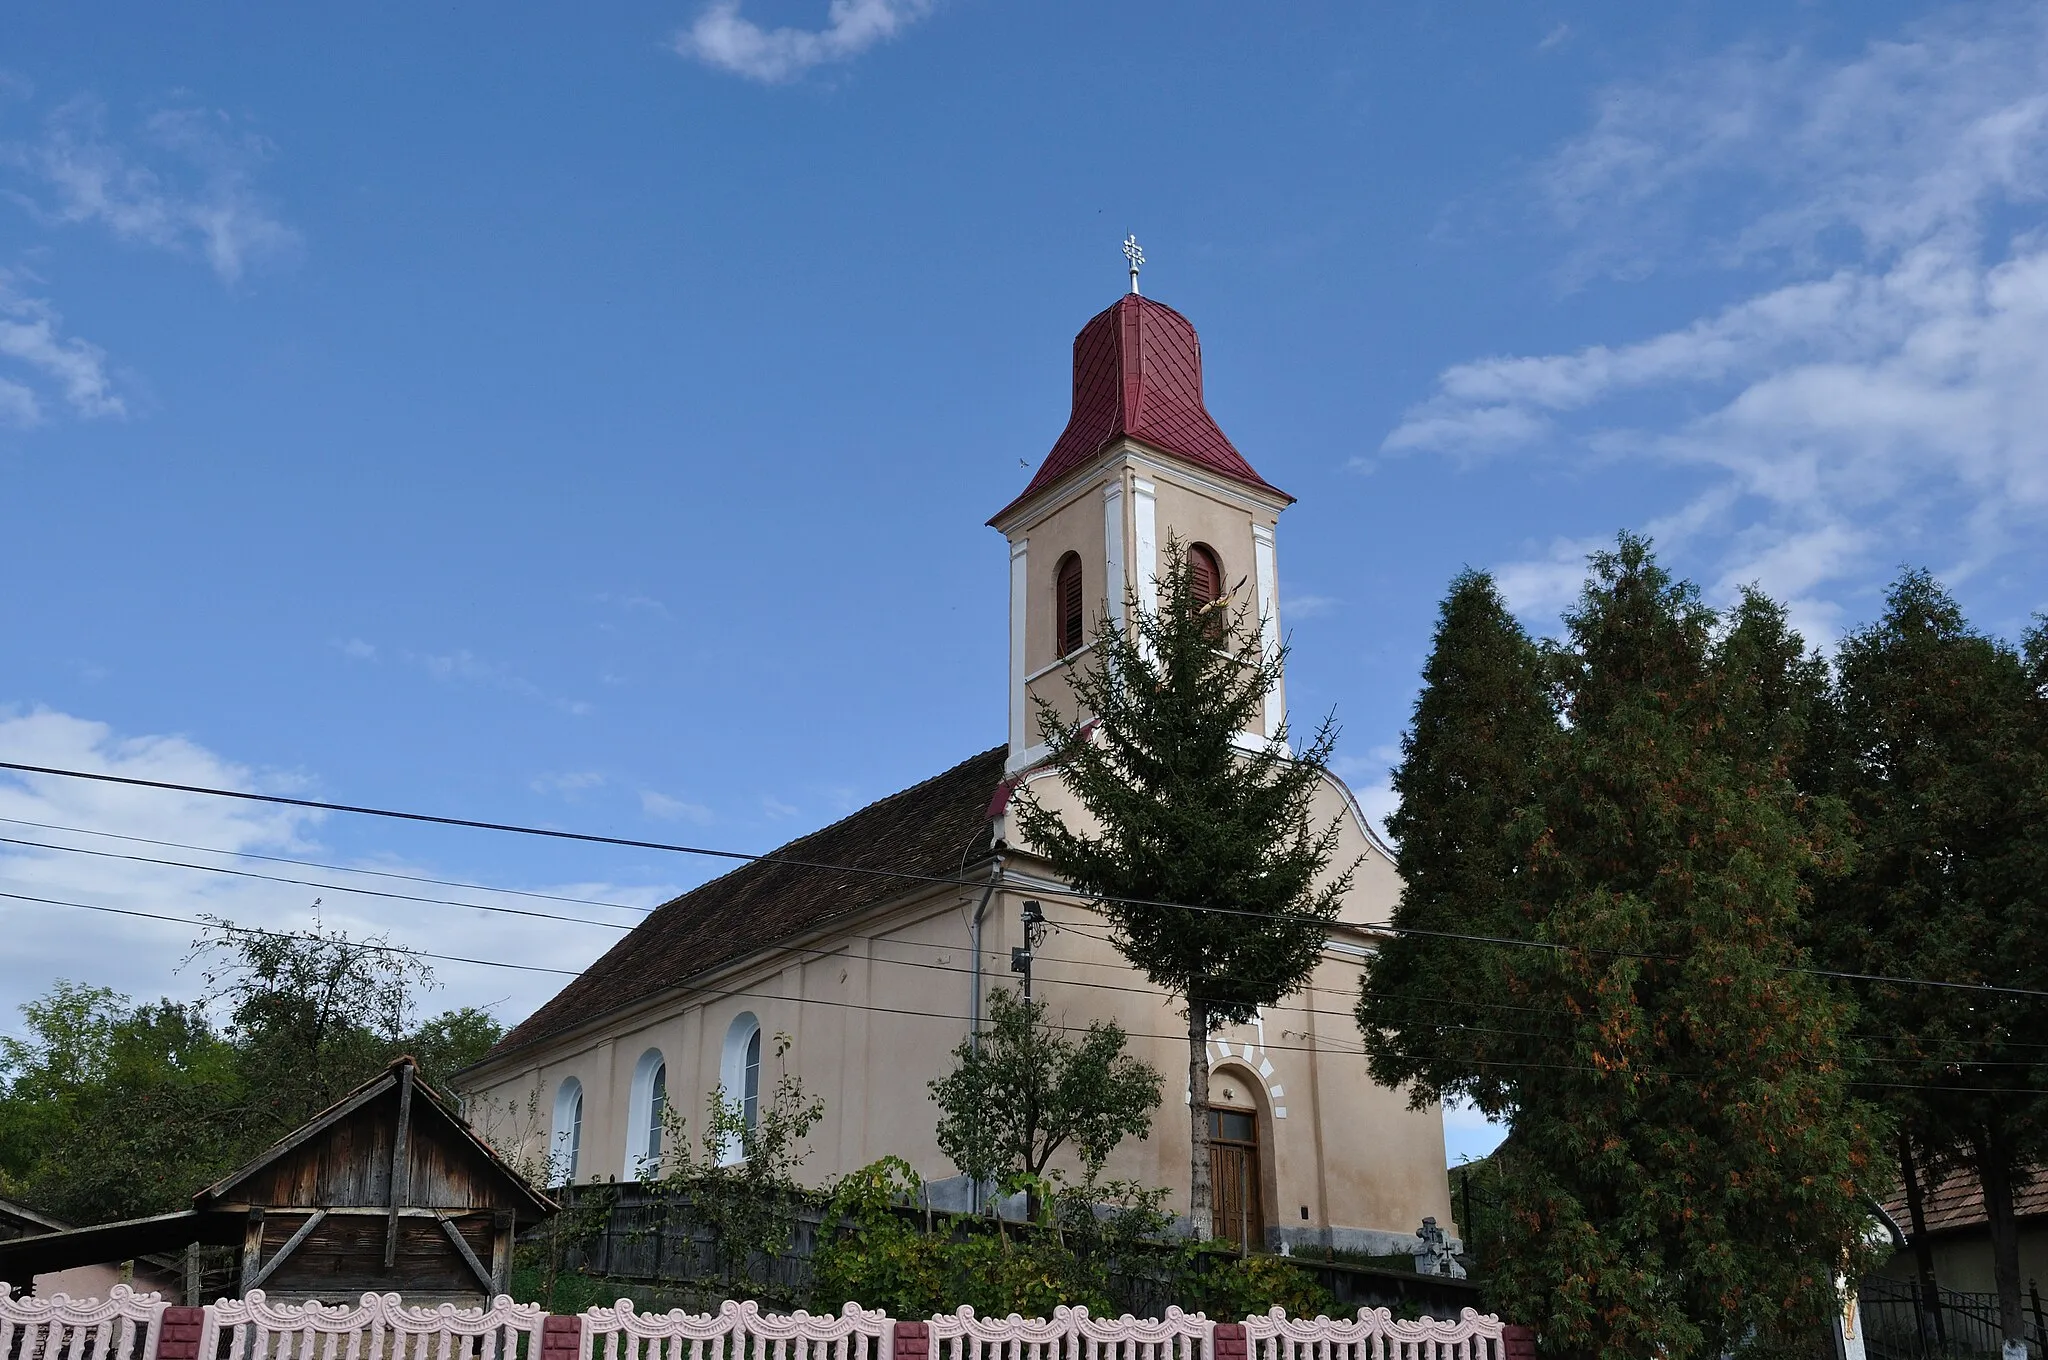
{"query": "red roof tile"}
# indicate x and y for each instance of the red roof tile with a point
(1955, 1202)
(1138, 373)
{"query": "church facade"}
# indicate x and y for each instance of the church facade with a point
(870, 946)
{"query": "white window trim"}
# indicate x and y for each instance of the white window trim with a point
(640, 1156)
(565, 1141)
(732, 1072)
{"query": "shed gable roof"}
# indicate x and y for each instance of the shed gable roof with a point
(333, 1136)
(930, 829)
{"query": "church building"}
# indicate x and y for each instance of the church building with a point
(871, 945)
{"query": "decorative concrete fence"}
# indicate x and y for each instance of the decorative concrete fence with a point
(131, 1326)
(123, 1326)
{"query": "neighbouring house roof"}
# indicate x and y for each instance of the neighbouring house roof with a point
(1955, 1203)
(932, 829)
(1138, 373)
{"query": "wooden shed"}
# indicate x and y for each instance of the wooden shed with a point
(387, 1190)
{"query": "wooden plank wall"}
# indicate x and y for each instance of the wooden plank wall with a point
(350, 1165)
(344, 1257)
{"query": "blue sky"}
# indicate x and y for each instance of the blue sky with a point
(589, 418)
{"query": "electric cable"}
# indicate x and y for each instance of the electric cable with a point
(908, 875)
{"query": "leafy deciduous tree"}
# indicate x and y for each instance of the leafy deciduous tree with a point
(1026, 1090)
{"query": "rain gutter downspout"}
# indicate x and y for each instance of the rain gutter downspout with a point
(995, 876)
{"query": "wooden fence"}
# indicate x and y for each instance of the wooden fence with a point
(131, 1326)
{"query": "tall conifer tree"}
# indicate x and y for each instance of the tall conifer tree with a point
(1683, 1170)
(1945, 768)
(1193, 812)
(1468, 766)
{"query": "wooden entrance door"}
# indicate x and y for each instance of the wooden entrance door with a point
(1234, 1175)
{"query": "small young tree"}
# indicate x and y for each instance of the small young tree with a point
(739, 1183)
(1027, 1090)
(1208, 864)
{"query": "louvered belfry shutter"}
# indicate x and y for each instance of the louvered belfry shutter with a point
(1208, 577)
(1070, 606)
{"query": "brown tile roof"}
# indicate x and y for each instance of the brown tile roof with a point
(929, 828)
(1955, 1203)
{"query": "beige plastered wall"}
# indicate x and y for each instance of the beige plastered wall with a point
(874, 1010)
(1185, 508)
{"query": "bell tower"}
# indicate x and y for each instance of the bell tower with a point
(1140, 461)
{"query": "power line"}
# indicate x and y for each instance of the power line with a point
(309, 883)
(335, 868)
(287, 934)
(1983, 988)
(704, 994)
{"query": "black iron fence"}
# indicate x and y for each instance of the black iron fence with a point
(1903, 1321)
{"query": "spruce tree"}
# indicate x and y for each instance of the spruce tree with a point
(1683, 1171)
(1945, 769)
(1193, 813)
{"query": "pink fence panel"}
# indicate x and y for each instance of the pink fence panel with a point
(1376, 1335)
(1070, 1334)
(737, 1331)
(381, 1327)
(122, 1326)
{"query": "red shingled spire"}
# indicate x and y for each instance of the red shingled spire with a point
(1138, 373)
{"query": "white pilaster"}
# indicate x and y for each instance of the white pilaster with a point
(1146, 548)
(1269, 619)
(1115, 586)
(1020, 601)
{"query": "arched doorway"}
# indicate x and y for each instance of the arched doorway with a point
(1237, 1177)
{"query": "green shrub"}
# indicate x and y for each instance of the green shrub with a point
(1240, 1286)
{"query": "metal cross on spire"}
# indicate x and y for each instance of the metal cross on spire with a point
(1136, 255)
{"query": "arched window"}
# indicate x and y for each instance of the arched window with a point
(643, 1116)
(565, 1148)
(739, 1076)
(750, 1083)
(1067, 606)
(1206, 572)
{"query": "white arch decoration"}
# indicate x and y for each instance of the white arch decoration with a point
(742, 1042)
(644, 1102)
(565, 1138)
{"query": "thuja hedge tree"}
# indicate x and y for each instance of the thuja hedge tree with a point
(1209, 864)
(1684, 1168)
(1943, 760)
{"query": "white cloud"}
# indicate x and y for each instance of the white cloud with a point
(463, 666)
(722, 37)
(140, 957)
(50, 364)
(1887, 392)
(568, 784)
(1468, 1134)
(1309, 606)
(668, 809)
(191, 186)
